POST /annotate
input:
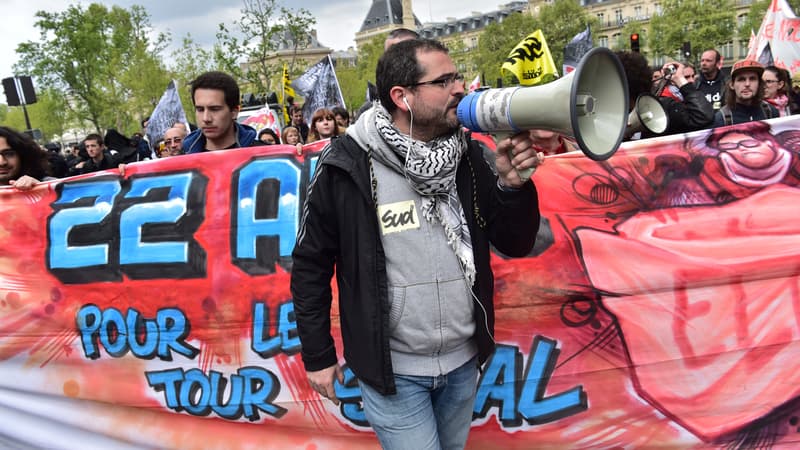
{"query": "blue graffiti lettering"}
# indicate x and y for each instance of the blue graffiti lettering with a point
(252, 389)
(145, 338)
(502, 386)
(144, 227)
(349, 394)
(498, 387)
(80, 231)
(156, 227)
(286, 338)
(265, 216)
(98, 230)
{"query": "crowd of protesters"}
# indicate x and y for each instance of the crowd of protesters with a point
(411, 151)
(693, 99)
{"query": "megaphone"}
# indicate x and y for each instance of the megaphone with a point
(589, 104)
(648, 114)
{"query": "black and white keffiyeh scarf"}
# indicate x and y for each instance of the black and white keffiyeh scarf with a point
(430, 169)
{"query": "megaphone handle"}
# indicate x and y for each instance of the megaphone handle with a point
(524, 174)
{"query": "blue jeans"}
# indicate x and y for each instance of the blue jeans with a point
(426, 412)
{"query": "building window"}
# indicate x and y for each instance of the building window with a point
(743, 49)
(602, 18)
(618, 15)
(741, 19)
(637, 12)
(727, 50)
(657, 8)
(603, 41)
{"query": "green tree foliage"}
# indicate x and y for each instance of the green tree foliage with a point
(48, 114)
(704, 23)
(91, 55)
(263, 29)
(559, 21)
(186, 63)
(353, 80)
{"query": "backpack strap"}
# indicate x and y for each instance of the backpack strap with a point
(766, 109)
(727, 115)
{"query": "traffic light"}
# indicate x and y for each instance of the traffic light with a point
(634, 42)
(687, 49)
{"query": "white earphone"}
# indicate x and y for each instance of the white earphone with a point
(407, 105)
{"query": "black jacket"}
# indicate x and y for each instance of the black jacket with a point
(745, 113)
(712, 90)
(693, 113)
(340, 230)
(109, 161)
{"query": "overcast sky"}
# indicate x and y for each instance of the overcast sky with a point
(337, 20)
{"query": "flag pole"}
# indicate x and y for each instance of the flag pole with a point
(339, 86)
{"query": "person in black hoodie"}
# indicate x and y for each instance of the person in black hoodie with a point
(99, 158)
(711, 81)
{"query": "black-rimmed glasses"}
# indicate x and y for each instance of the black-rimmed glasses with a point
(8, 153)
(747, 143)
(445, 81)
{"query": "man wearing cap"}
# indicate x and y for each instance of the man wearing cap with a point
(743, 98)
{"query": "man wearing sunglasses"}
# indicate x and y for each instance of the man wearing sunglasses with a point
(403, 208)
(744, 96)
(173, 141)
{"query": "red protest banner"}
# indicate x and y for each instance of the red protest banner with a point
(658, 308)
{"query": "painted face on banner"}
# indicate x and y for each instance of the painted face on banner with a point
(749, 152)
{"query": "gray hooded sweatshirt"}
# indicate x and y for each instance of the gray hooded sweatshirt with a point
(431, 306)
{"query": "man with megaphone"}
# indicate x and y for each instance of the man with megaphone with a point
(402, 208)
(678, 107)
